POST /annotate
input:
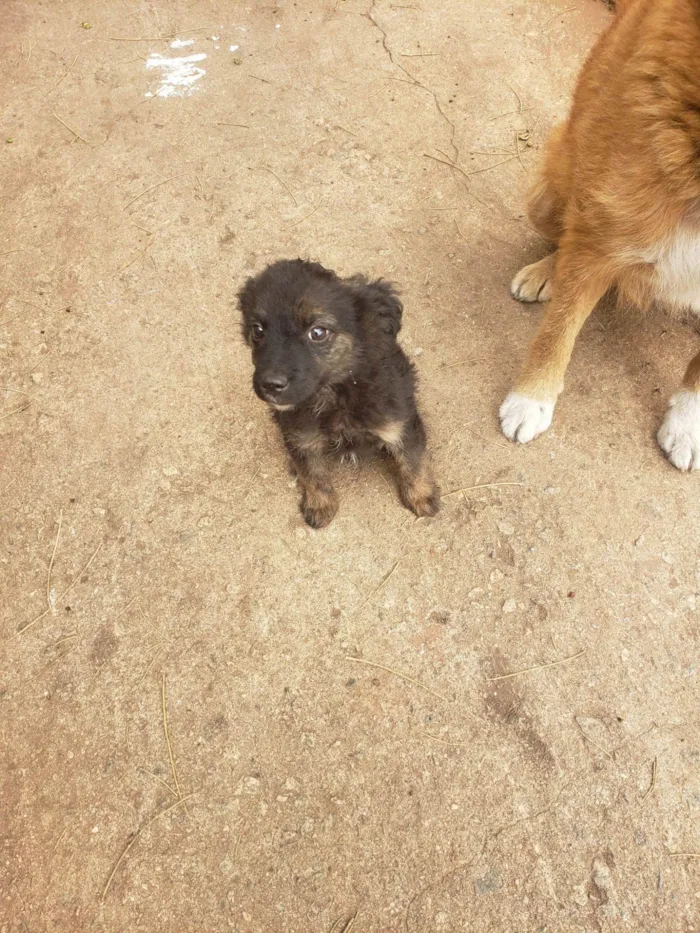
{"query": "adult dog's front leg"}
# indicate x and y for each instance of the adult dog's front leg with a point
(579, 284)
(679, 434)
(319, 501)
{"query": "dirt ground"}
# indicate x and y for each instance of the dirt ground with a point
(150, 531)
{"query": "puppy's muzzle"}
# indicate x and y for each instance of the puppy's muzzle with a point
(273, 383)
(271, 387)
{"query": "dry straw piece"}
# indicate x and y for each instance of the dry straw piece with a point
(391, 670)
(136, 835)
(538, 667)
(168, 743)
(61, 597)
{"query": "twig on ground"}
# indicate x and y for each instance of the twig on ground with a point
(283, 183)
(538, 667)
(51, 663)
(136, 835)
(173, 35)
(438, 738)
(157, 185)
(53, 557)
(37, 364)
(572, 9)
(127, 607)
(517, 151)
(446, 162)
(474, 359)
(454, 492)
(306, 216)
(164, 783)
(589, 739)
(391, 670)
(167, 742)
(487, 168)
(64, 75)
(61, 597)
(653, 779)
(376, 589)
(69, 637)
(15, 411)
(240, 837)
(70, 128)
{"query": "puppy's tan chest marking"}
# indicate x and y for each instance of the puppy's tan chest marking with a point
(390, 433)
(342, 430)
(308, 442)
(677, 266)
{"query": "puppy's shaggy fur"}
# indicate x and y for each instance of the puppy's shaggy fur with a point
(619, 195)
(328, 364)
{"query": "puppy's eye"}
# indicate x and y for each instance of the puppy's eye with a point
(318, 334)
(257, 332)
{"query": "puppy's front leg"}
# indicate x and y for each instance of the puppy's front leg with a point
(407, 445)
(319, 501)
(580, 282)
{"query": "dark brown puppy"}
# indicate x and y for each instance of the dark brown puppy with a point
(328, 364)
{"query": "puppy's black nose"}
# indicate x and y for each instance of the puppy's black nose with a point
(274, 383)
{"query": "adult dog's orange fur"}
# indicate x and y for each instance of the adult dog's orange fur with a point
(619, 194)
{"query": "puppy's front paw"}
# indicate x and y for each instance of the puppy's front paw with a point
(318, 506)
(679, 434)
(523, 418)
(534, 282)
(422, 497)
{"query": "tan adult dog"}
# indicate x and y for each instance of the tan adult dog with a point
(619, 194)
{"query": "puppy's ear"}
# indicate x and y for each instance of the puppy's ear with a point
(381, 299)
(246, 297)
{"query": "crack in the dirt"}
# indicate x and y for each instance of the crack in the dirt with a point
(370, 15)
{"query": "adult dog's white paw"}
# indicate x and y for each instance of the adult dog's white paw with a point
(523, 418)
(679, 434)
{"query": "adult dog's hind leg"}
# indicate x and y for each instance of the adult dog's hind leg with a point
(547, 203)
(549, 195)
(407, 445)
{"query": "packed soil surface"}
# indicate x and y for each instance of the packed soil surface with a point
(212, 717)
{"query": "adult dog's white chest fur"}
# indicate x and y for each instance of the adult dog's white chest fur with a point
(677, 265)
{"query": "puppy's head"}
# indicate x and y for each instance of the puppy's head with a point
(301, 325)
